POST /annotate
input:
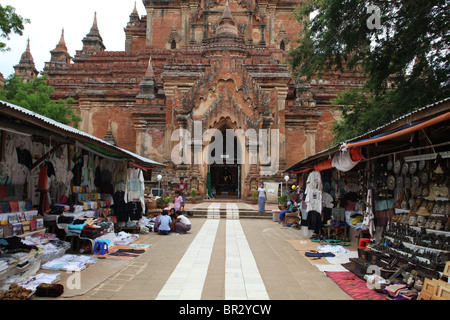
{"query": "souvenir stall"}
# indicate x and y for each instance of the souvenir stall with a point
(61, 190)
(331, 200)
(394, 198)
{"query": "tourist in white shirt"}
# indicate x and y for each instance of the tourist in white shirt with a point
(262, 198)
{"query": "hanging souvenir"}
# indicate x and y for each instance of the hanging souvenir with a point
(421, 164)
(397, 166)
(391, 182)
(413, 168)
(415, 181)
(424, 178)
(389, 164)
(400, 182)
(405, 168)
(407, 182)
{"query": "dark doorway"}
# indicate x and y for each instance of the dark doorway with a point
(225, 180)
(225, 176)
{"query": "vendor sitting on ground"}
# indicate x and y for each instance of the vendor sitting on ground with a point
(287, 209)
(164, 223)
(182, 224)
(155, 227)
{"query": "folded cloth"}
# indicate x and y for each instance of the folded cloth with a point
(332, 248)
(77, 226)
(138, 251)
(123, 254)
(49, 290)
(319, 254)
(394, 289)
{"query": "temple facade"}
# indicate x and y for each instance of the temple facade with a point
(193, 66)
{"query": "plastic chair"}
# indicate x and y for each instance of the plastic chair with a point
(100, 247)
(363, 242)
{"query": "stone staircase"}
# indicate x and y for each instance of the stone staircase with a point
(227, 210)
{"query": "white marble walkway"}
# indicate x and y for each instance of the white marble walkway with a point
(242, 278)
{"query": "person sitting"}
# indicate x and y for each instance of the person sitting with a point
(164, 223)
(173, 217)
(287, 209)
(155, 226)
(182, 223)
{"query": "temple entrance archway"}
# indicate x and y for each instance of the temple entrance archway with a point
(226, 170)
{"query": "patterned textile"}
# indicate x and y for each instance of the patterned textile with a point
(354, 286)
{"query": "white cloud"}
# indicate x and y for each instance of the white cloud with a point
(49, 17)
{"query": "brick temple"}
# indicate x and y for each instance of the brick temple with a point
(221, 62)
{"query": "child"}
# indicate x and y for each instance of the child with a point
(178, 201)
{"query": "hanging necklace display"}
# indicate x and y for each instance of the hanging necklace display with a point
(400, 182)
(413, 168)
(415, 181)
(397, 166)
(424, 178)
(421, 164)
(391, 182)
(405, 168)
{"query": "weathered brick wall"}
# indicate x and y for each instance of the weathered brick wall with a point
(232, 77)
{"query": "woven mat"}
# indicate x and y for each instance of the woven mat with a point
(79, 283)
(76, 284)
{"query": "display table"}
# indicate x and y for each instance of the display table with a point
(340, 229)
(291, 218)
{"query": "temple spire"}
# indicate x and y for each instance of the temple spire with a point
(147, 85)
(227, 24)
(62, 42)
(26, 68)
(93, 41)
(60, 57)
(150, 73)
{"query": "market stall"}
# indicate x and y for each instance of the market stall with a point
(390, 188)
(61, 190)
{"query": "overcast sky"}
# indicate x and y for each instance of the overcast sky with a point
(49, 17)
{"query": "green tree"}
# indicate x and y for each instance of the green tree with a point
(401, 46)
(35, 95)
(10, 22)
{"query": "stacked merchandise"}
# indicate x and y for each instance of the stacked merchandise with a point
(410, 202)
(41, 278)
(124, 239)
(89, 228)
(15, 292)
(75, 228)
(70, 262)
(18, 260)
(17, 217)
(21, 258)
(48, 244)
(89, 201)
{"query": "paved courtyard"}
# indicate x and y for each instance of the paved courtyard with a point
(220, 259)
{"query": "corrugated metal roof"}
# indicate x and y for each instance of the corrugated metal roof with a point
(75, 131)
(400, 118)
(337, 147)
